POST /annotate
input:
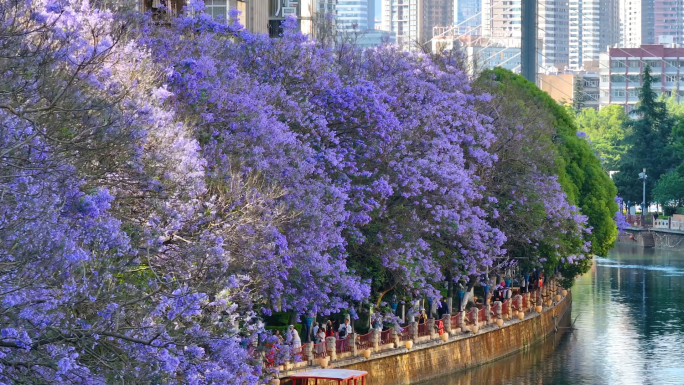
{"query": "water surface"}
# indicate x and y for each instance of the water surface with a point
(628, 315)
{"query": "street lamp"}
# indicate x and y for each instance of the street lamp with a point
(643, 176)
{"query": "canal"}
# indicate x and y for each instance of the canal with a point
(628, 315)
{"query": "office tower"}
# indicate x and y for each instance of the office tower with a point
(412, 21)
(353, 14)
(594, 26)
(468, 16)
(501, 21)
(652, 22)
(552, 23)
(436, 13)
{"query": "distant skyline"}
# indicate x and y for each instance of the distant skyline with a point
(378, 10)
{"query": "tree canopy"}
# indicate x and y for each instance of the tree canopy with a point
(166, 187)
(605, 130)
(647, 145)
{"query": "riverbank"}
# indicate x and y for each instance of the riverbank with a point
(666, 239)
(432, 358)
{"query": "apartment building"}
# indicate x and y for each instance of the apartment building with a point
(621, 73)
(468, 16)
(354, 14)
(553, 26)
(652, 22)
(501, 21)
(413, 21)
(562, 87)
(594, 26)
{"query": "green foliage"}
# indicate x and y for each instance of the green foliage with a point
(647, 145)
(669, 211)
(579, 171)
(605, 130)
(669, 189)
(578, 95)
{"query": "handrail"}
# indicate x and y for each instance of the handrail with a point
(385, 337)
(308, 353)
(365, 341)
(405, 334)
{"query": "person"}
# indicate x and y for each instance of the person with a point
(423, 317)
(294, 337)
(320, 336)
(317, 326)
(345, 329)
(443, 309)
(279, 337)
(329, 332)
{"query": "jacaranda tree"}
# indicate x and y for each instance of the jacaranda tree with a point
(165, 186)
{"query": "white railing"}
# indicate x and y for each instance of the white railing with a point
(668, 224)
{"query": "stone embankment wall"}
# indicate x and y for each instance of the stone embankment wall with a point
(436, 358)
(658, 238)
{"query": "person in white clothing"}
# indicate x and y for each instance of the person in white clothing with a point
(345, 329)
(294, 338)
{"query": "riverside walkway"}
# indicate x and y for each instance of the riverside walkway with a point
(397, 341)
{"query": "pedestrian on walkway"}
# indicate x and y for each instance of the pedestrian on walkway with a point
(329, 332)
(423, 317)
(345, 329)
(296, 341)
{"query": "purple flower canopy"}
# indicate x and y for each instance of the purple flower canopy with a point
(164, 186)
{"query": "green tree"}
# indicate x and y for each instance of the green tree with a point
(578, 95)
(579, 170)
(605, 130)
(647, 145)
(669, 189)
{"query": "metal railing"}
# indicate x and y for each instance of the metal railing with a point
(386, 337)
(345, 345)
(423, 330)
(365, 341)
(405, 334)
(456, 321)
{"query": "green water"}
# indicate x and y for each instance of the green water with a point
(629, 329)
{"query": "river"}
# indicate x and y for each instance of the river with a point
(628, 314)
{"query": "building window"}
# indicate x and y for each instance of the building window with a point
(634, 78)
(217, 8)
(670, 78)
(618, 93)
(618, 78)
(634, 64)
(633, 92)
(617, 63)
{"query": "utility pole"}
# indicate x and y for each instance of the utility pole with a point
(643, 176)
(528, 51)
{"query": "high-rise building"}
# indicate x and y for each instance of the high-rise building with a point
(594, 25)
(253, 13)
(622, 68)
(652, 22)
(412, 21)
(468, 16)
(436, 13)
(501, 21)
(552, 23)
(353, 14)
(404, 19)
(308, 13)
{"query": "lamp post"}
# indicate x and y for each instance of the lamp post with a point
(643, 176)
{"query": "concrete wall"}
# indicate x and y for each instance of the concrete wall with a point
(658, 238)
(434, 359)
